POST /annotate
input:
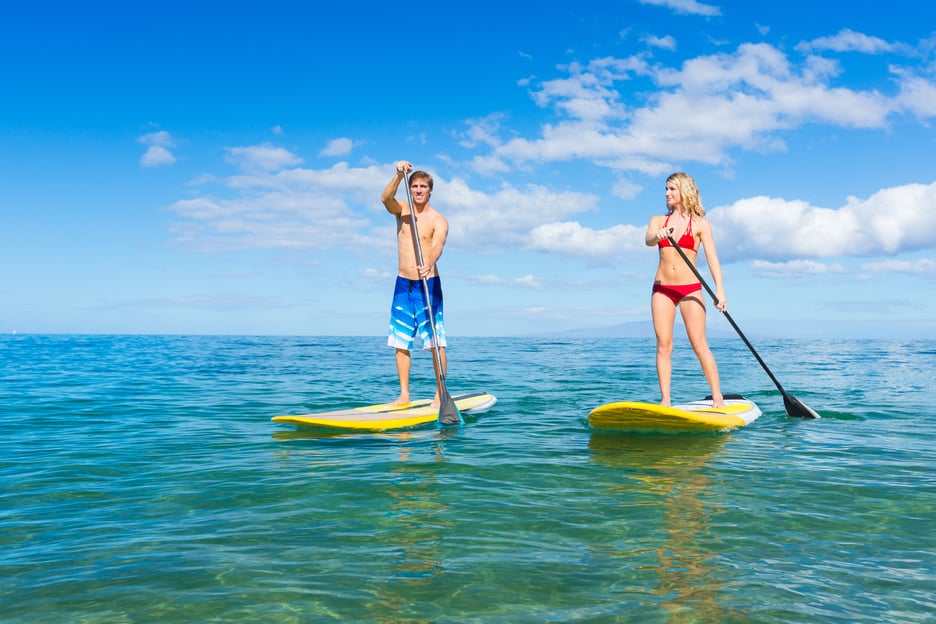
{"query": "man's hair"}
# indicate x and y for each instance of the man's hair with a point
(421, 175)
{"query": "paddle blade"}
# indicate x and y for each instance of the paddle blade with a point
(448, 411)
(797, 409)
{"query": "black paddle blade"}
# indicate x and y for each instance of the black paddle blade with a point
(797, 409)
(448, 411)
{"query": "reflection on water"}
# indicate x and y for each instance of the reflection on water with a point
(412, 538)
(408, 518)
(417, 515)
(426, 432)
(672, 469)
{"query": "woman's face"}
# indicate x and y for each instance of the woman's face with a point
(673, 195)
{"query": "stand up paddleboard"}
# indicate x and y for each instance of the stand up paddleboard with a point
(695, 416)
(383, 417)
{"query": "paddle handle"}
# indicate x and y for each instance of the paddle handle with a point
(725, 312)
(425, 284)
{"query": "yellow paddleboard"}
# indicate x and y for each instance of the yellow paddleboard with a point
(382, 417)
(695, 416)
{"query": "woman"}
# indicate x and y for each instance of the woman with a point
(676, 286)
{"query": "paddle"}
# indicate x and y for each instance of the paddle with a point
(448, 411)
(793, 406)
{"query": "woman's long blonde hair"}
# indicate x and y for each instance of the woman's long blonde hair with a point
(689, 192)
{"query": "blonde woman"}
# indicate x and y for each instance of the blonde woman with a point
(676, 286)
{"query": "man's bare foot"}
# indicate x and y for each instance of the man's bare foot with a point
(718, 402)
(436, 403)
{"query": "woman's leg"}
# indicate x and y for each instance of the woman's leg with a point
(664, 314)
(692, 308)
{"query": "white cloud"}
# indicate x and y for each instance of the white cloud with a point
(686, 7)
(505, 218)
(157, 156)
(338, 147)
(625, 189)
(917, 93)
(482, 131)
(923, 266)
(157, 153)
(161, 138)
(588, 94)
(378, 275)
(525, 281)
(355, 184)
(574, 239)
(339, 207)
(891, 221)
(264, 157)
(267, 221)
(292, 209)
(848, 40)
(489, 165)
(666, 43)
(794, 268)
(699, 112)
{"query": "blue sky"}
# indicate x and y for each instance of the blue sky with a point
(216, 167)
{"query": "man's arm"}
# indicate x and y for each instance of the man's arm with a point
(439, 236)
(388, 197)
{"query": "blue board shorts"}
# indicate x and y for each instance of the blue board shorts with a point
(408, 314)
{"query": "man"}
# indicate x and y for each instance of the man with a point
(408, 313)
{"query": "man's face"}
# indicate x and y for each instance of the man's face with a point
(420, 190)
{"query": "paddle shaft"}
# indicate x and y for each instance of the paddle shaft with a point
(440, 374)
(727, 316)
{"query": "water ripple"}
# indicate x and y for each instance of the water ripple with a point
(142, 481)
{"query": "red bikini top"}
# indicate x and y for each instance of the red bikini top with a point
(686, 241)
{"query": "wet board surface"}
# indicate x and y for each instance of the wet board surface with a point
(382, 417)
(695, 416)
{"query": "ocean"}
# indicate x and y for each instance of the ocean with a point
(141, 480)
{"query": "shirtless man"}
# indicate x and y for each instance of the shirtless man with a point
(408, 314)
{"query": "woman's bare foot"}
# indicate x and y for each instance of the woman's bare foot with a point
(403, 399)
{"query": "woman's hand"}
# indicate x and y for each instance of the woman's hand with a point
(722, 302)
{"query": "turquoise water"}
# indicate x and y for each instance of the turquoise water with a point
(142, 481)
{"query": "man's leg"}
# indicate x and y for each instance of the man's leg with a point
(403, 370)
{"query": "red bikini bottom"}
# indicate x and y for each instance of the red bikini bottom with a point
(676, 292)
